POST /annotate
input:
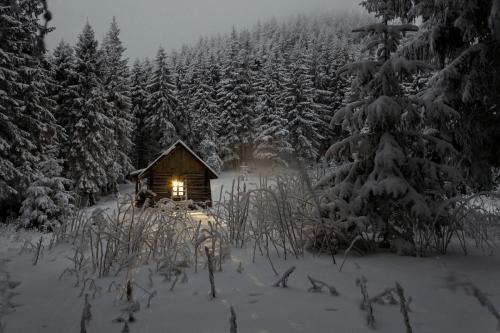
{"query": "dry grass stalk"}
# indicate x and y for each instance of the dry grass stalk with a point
(39, 247)
(366, 304)
(283, 281)
(86, 315)
(210, 264)
(317, 286)
(233, 327)
(471, 289)
(404, 307)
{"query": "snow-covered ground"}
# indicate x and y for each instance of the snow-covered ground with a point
(46, 304)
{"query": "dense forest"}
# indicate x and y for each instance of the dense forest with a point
(407, 116)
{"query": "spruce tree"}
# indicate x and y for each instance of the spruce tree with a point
(62, 91)
(28, 126)
(202, 107)
(13, 140)
(162, 106)
(462, 38)
(271, 137)
(397, 162)
(91, 134)
(301, 112)
(117, 86)
(235, 100)
(139, 75)
(48, 203)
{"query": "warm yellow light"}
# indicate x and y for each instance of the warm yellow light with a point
(177, 188)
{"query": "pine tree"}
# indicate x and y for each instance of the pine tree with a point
(116, 83)
(47, 203)
(13, 140)
(301, 112)
(62, 91)
(235, 100)
(28, 124)
(462, 38)
(91, 134)
(271, 138)
(184, 87)
(162, 106)
(140, 73)
(397, 163)
(202, 107)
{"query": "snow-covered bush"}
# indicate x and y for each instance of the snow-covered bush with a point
(48, 203)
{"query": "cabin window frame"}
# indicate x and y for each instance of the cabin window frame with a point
(179, 190)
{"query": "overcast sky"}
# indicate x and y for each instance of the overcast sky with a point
(146, 24)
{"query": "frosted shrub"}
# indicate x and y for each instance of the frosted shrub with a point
(106, 244)
(278, 214)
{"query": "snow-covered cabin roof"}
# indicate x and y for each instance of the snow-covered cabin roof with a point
(140, 173)
(136, 172)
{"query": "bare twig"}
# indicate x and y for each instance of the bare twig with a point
(283, 281)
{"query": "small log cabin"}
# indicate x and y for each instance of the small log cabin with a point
(179, 174)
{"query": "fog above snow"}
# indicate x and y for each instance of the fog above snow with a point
(146, 24)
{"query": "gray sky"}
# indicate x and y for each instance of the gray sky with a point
(146, 24)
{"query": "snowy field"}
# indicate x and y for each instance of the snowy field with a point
(44, 303)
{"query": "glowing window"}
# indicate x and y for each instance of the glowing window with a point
(177, 188)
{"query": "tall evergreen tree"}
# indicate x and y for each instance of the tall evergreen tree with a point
(272, 137)
(29, 129)
(397, 163)
(202, 108)
(139, 94)
(462, 38)
(14, 142)
(301, 112)
(117, 85)
(235, 99)
(162, 106)
(91, 134)
(62, 91)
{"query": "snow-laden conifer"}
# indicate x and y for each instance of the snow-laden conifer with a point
(397, 159)
(117, 86)
(91, 134)
(162, 105)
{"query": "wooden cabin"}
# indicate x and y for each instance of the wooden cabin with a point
(179, 174)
